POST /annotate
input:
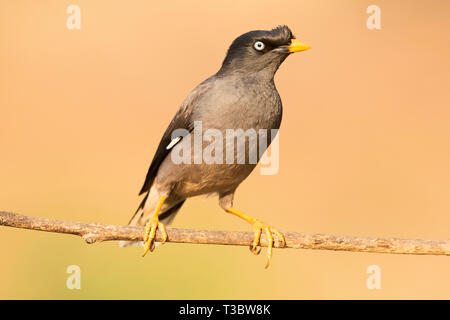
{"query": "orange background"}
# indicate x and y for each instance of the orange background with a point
(364, 143)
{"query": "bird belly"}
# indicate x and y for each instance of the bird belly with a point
(206, 179)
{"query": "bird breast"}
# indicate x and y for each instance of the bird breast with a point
(240, 103)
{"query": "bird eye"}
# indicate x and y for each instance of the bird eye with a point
(259, 46)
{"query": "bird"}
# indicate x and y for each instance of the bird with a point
(240, 95)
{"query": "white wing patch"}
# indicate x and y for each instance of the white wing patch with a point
(173, 142)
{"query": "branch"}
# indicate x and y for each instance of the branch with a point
(95, 232)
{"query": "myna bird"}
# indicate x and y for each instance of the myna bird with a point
(241, 95)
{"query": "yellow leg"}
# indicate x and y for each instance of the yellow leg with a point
(258, 226)
(152, 225)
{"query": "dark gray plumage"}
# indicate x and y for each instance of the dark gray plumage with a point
(241, 95)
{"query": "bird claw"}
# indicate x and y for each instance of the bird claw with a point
(255, 248)
(152, 225)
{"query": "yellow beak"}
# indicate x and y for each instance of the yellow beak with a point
(297, 46)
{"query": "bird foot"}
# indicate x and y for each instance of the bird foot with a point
(255, 248)
(150, 233)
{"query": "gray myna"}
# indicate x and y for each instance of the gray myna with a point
(240, 96)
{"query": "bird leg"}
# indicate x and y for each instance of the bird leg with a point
(152, 225)
(258, 227)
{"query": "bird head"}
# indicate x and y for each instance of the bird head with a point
(261, 51)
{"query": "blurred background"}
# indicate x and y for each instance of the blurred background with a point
(364, 145)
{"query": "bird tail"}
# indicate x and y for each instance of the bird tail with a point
(166, 216)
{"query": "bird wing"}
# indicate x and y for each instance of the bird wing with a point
(181, 120)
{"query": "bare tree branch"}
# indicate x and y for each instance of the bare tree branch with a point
(95, 232)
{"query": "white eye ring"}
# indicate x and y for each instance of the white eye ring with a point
(259, 45)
